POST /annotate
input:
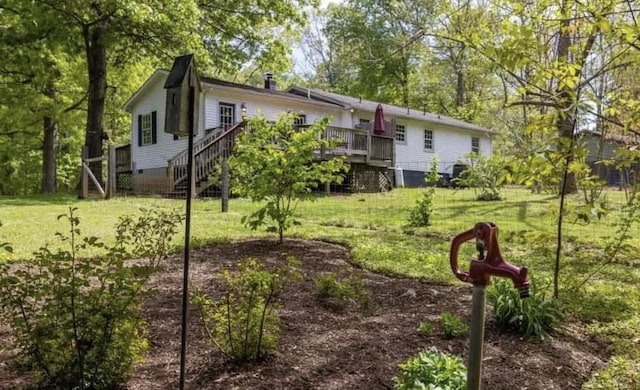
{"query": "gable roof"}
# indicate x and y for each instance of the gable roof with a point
(210, 81)
(350, 102)
(260, 90)
(324, 98)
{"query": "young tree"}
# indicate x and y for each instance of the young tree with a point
(275, 163)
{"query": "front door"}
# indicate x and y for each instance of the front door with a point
(227, 115)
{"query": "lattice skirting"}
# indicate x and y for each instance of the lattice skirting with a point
(369, 179)
(124, 181)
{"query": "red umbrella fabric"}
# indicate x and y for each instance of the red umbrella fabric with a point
(378, 121)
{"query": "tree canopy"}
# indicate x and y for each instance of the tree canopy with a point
(69, 57)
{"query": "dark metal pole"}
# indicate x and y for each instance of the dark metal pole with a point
(185, 281)
(478, 302)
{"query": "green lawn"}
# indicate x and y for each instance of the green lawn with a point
(375, 227)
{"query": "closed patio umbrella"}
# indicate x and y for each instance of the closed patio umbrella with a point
(378, 121)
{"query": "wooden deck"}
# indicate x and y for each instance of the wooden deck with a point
(359, 146)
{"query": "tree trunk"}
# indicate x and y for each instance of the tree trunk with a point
(49, 166)
(565, 122)
(459, 89)
(96, 51)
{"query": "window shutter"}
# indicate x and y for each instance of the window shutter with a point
(139, 130)
(154, 130)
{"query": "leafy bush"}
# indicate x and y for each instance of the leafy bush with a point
(150, 233)
(342, 289)
(452, 325)
(75, 320)
(425, 328)
(243, 324)
(535, 316)
(432, 369)
(485, 173)
(274, 163)
(420, 214)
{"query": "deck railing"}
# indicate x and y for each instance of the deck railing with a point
(381, 148)
(177, 165)
(205, 152)
(350, 142)
(353, 142)
(358, 142)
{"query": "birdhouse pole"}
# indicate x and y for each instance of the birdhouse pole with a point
(181, 118)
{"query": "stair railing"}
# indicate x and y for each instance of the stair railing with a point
(205, 154)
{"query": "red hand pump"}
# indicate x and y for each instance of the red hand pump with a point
(479, 275)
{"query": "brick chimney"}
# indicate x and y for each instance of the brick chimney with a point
(269, 81)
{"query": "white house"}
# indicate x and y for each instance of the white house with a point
(411, 138)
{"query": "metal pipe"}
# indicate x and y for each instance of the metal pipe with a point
(478, 303)
(185, 281)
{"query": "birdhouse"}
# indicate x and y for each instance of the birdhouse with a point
(183, 97)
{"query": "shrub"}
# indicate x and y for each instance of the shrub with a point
(420, 214)
(149, 234)
(75, 320)
(342, 289)
(535, 316)
(243, 324)
(425, 328)
(485, 173)
(432, 369)
(274, 163)
(452, 325)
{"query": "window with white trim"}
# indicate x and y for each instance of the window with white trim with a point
(428, 140)
(475, 145)
(401, 133)
(300, 119)
(146, 130)
(227, 115)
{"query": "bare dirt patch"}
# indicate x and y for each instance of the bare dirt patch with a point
(324, 348)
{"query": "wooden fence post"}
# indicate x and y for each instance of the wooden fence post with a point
(224, 186)
(111, 172)
(171, 180)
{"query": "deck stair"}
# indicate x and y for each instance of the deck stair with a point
(208, 154)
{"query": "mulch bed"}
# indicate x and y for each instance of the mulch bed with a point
(323, 347)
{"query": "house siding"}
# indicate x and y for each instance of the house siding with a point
(156, 155)
(450, 145)
(261, 104)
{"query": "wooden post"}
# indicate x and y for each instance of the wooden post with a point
(368, 155)
(171, 176)
(111, 172)
(87, 170)
(224, 186)
(84, 187)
